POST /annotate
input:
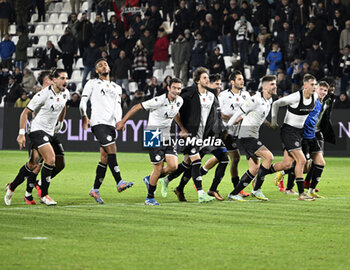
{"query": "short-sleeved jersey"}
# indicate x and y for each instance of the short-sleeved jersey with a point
(206, 100)
(229, 104)
(47, 105)
(105, 98)
(309, 129)
(256, 109)
(162, 112)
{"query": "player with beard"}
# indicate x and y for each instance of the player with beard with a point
(106, 111)
(47, 106)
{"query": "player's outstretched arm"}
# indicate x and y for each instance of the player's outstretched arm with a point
(285, 101)
(183, 130)
(129, 114)
(21, 139)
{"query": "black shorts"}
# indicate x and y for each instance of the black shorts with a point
(231, 143)
(157, 154)
(38, 139)
(310, 146)
(57, 146)
(291, 137)
(191, 150)
(54, 141)
(250, 146)
(105, 134)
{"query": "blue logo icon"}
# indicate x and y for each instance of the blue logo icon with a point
(151, 138)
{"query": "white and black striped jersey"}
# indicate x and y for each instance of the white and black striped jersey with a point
(46, 106)
(105, 98)
(297, 111)
(255, 109)
(162, 112)
(230, 104)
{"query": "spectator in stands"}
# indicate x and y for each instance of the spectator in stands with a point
(148, 40)
(184, 15)
(102, 6)
(312, 34)
(7, 48)
(342, 102)
(75, 4)
(161, 48)
(165, 84)
(243, 28)
(284, 85)
(84, 29)
(13, 92)
(128, 41)
(149, 23)
(284, 10)
(22, 101)
(258, 55)
(120, 71)
(138, 98)
(300, 15)
(291, 49)
(28, 81)
(344, 69)
(336, 5)
(260, 15)
(177, 26)
(168, 9)
(49, 57)
(21, 48)
(155, 15)
(274, 59)
(136, 24)
(114, 25)
(22, 9)
(68, 47)
(181, 55)
(114, 51)
(104, 54)
(199, 16)
(216, 64)
(210, 33)
(330, 45)
(41, 10)
(5, 13)
(73, 24)
(344, 37)
(339, 20)
(198, 52)
(125, 101)
(226, 36)
(216, 11)
(152, 89)
(282, 36)
(99, 32)
(189, 37)
(315, 53)
(91, 55)
(317, 70)
(18, 75)
(140, 64)
(74, 101)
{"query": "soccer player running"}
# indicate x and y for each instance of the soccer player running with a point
(255, 111)
(311, 146)
(198, 118)
(163, 110)
(230, 102)
(106, 111)
(300, 104)
(47, 105)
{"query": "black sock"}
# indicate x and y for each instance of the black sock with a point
(271, 170)
(23, 173)
(219, 174)
(151, 191)
(55, 171)
(196, 174)
(162, 175)
(235, 181)
(291, 178)
(184, 179)
(261, 177)
(203, 171)
(113, 166)
(309, 174)
(300, 184)
(245, 180)
(180, 169)
(316, 175)
(100, 174)
(46, 172)
(31, 182)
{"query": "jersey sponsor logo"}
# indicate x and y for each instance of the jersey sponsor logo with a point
(151, 138)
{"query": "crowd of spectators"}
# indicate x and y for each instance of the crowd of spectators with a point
(288, 38)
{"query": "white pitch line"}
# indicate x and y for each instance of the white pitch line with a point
(163, 204)
(35, 238)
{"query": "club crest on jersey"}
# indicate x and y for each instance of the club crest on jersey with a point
(52, 108)
(178, 104)
(64, 96)
(103, 92)
(232, 107)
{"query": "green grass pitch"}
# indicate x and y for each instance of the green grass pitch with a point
(283, 233)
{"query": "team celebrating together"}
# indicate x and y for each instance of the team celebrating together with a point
(231, 118)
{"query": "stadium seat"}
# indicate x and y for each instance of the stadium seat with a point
(168, 72)
(72, 87)
(79, 87)
(66, 7)
(79, 64)
(34, 18)
(220, 48)
(48, 29)
(59, 30)
(53, 39)
(228, 61)
(39, 30)
(33, 63)
(170, 63)
(133, 87)
(42, 41)
(63, 18)
(158, 73)
(38, 52)
(53, 18)
(76, 76)
(30, 52)
(57, 7)
(84, 6)
(247, 73)
(60, 64)
(14, 39)
(12, 29)
(110, 14)
(34, 40)
(31, 29)
(36, 73)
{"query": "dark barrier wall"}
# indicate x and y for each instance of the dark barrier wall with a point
(74, 138)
